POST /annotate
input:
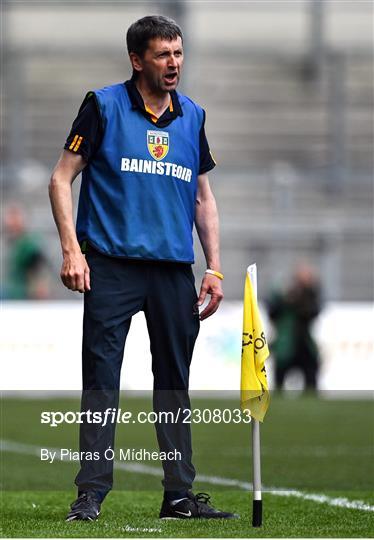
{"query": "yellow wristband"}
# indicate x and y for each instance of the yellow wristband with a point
(214, 273)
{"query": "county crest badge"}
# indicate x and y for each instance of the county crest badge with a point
(158, 143)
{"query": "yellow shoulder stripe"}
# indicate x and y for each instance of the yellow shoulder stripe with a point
(73, 143)
(78, 144)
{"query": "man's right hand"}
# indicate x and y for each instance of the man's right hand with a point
(75, 273)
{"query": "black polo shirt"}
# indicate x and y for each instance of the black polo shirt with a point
(87, 131)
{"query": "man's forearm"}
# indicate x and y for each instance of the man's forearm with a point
(75, 273)
(67, 168)
(60, 195)
(207, 226)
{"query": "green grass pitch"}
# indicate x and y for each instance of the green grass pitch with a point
(310, 445)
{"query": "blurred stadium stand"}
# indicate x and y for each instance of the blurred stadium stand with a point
(288, 90)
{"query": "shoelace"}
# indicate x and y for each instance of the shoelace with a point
(202, 498)
(84, 500)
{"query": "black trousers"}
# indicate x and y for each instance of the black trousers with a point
(166, 293)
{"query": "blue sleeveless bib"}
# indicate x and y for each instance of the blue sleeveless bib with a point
(138, 193)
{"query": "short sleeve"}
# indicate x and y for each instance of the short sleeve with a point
(86, 133)
(207, 162)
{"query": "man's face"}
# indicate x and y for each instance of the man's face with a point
(160, 67)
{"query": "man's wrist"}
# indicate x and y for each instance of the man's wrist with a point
(213, 264)
(71, 249)
(214, 273)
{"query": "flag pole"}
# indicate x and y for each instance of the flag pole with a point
(256, 475)
(256, 447)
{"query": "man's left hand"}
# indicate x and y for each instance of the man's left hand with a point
(211, 285)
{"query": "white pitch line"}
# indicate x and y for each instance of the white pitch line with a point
(341, 502)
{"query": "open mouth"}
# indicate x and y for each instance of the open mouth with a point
(171, 77)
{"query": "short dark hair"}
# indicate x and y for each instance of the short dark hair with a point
(150, 27)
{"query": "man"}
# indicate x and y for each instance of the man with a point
(292, 312)
(28, 269)
(144, 156)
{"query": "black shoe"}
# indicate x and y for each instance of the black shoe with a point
(85, 508)
(192, 507)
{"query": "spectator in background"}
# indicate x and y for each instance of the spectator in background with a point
(292, 313)
(26, 262)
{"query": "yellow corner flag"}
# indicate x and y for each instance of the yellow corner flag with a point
(254, 392)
